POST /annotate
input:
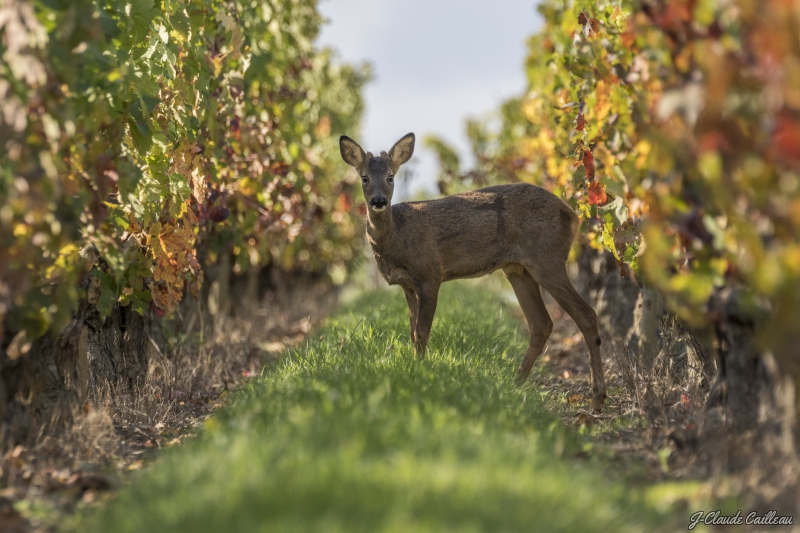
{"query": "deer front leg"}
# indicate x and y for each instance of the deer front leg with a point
(427, 296)
(413, 310)
(540, 325)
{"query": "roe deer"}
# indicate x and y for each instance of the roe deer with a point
(523, 229)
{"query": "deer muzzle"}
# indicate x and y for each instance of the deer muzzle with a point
(378, 204)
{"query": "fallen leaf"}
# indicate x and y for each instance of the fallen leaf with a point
(273, 347)
(583, 419)
(20, 345)
(575, 398)
(91, 481)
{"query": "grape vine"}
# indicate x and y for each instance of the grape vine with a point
(141, 139)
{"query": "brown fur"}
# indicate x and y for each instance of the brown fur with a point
(525, 230)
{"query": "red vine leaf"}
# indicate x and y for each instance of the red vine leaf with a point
(628, 38)
(590, 24)
(588, 165)
(787, 137)
(597, 194)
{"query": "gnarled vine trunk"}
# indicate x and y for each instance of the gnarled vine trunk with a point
(750, 389)
(42, 389)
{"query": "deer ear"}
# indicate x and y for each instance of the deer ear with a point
(402, 150)
(352, 153)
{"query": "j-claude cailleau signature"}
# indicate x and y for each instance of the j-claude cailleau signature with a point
(716, 518)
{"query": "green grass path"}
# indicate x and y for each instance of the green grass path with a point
(350, 434)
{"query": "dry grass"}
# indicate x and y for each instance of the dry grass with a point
(194, 361)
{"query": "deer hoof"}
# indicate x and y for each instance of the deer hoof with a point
(524, 371)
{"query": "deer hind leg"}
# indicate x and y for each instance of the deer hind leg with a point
(427, 297)
(540, 325)
(558, 284)
(413, 310)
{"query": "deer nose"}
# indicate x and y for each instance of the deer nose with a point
(379, 203)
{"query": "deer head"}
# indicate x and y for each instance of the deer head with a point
(377, 173)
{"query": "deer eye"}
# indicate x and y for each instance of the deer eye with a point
(364, 180)
(390, 179)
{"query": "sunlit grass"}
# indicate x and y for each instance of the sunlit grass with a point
(349, 433)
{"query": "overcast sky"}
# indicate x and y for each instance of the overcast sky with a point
(436, 62)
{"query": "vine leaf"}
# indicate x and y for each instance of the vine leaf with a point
(590, 24)
(142, 13)
(597, 194)
(588, 164)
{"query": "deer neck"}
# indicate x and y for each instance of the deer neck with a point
(380, 230)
